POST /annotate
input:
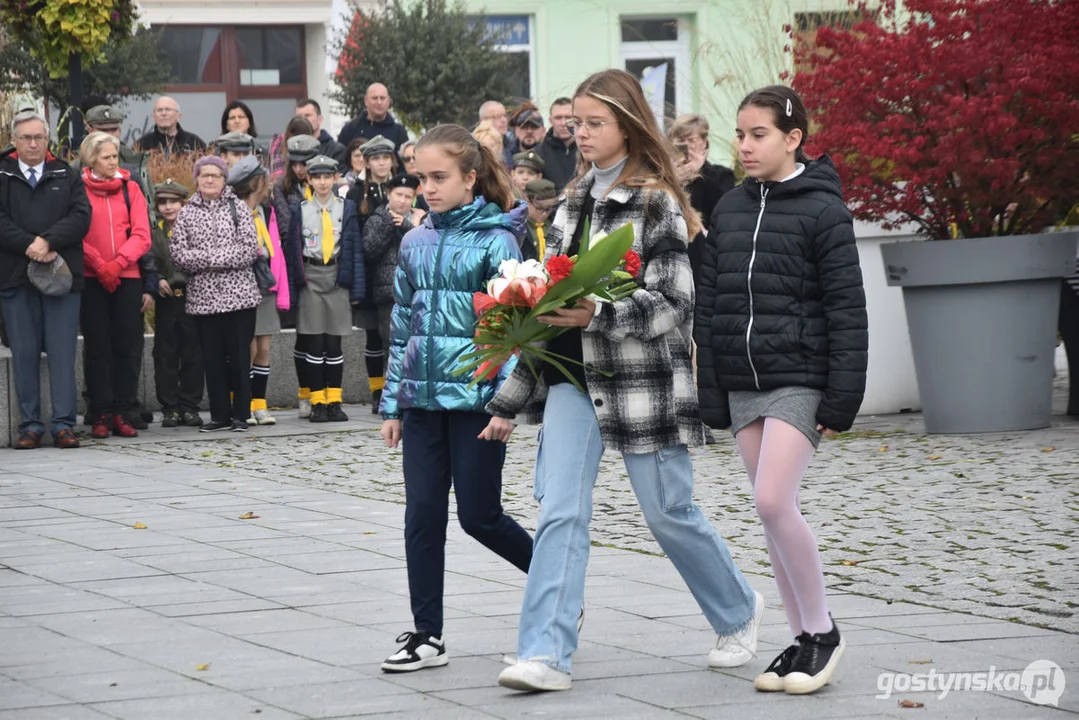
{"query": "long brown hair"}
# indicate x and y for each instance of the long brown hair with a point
(492, 179)
(365, 205)
(651, 155)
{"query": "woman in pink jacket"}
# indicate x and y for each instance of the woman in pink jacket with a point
(251, 183)
(214, 241)
(111, 314)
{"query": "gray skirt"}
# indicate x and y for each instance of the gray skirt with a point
(267, 320)
(795, 406)
(324, 308)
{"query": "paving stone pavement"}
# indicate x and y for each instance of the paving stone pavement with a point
(932, 546)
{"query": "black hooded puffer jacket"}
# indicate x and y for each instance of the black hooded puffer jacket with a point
(780, 300)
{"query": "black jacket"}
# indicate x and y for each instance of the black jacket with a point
(366, 128)
(381, 248)
(560, 159)
(781, 303)
(183, 141)
(333, 149)
(57, 210)
(713, 182)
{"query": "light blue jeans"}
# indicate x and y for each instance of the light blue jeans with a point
(569, 454)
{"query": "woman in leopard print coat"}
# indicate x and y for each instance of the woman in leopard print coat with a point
(216, 245)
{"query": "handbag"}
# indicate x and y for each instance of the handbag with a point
(263, 275)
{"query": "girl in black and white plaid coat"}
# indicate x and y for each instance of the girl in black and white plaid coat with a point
(641, 399)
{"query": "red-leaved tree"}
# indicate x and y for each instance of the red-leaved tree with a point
(960, 116)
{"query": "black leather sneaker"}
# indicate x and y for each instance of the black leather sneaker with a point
(816, 660)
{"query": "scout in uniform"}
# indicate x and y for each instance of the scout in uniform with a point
(542, 199)
(327, 275)
(527, 166)
(178, 373)
(234, 147)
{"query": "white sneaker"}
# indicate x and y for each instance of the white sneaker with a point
(738, 649)
(532, 675)
(263, 417)
(421, 650)
(511, 659)
(305, 409)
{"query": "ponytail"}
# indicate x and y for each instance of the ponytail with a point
(492, 178)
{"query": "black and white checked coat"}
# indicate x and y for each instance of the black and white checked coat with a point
(650, 400)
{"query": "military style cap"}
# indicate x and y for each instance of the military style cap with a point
(322, 165)
(530, 159)
(171, 188)
(235, 141)
(104, 116)
(52, 278)
(377, 145)
(302, 148)
(245, 169)
(401, 180)
(541, 190)
(529, 118)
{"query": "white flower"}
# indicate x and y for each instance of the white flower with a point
(513, 269)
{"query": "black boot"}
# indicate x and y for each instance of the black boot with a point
(318, 413)
(334, 413)
(814, 662)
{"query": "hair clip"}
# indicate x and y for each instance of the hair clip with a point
(790, 108)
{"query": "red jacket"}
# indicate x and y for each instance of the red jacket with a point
(108, 236)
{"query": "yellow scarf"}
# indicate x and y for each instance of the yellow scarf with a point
(327, 236)
(263, 232)
(541, 241)
(308, 193)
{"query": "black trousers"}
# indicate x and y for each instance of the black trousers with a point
(178, 373)
(1069, 330)
(112, 334)
(442, 449)
(226, 355)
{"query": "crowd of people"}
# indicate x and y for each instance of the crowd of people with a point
(749, 317)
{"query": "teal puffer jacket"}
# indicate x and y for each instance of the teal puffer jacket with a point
(442, 263)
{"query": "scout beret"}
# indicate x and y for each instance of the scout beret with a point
(541, 190)
(377, 145)
(401, 180)
(103, 116)
(529, 158)
(236, 142)
(245, 169)
(322, 165)
(302, 148)
(171, 188)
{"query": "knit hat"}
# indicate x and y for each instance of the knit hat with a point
(210, 160)
(302, 148)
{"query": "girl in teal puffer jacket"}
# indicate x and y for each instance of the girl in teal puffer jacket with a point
(474, 225)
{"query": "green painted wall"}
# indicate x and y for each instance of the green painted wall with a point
(733, 47)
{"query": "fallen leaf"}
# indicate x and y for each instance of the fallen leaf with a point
(113, 684)
(369, 532)
(920, 662)
(205, 666)
(249, 516)
(1027, 497)
(850, 563)
(1048, 449)
(933, 457)
(883, 448)
(910, 704)
(139, 526)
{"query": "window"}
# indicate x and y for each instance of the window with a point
(246, 62)
(194, 54)
(656, 50)
(513, 35)
(270, 56)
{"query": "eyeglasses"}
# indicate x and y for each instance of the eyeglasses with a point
(165, 111)
(211, 176)
(409, 158)
(32, 139)
(594, 127)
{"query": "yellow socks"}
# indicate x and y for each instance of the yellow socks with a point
(333, 395)
(258, 404)
(318, 397)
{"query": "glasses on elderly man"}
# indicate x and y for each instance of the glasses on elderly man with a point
(32, 139)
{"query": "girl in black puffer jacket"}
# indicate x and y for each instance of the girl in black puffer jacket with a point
(782, 345)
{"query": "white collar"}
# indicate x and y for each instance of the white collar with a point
(39, 169)
(799, 168)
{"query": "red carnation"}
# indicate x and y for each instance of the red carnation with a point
(633, 263)
(559, 267)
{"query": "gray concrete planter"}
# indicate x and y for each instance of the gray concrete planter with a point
(983, 319)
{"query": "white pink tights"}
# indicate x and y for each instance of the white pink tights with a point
(776, 455)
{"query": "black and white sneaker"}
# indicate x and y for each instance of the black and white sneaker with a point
(421, 650)
(771, 680)
(816, 660)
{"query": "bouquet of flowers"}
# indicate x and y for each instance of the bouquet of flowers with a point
(605, 269)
